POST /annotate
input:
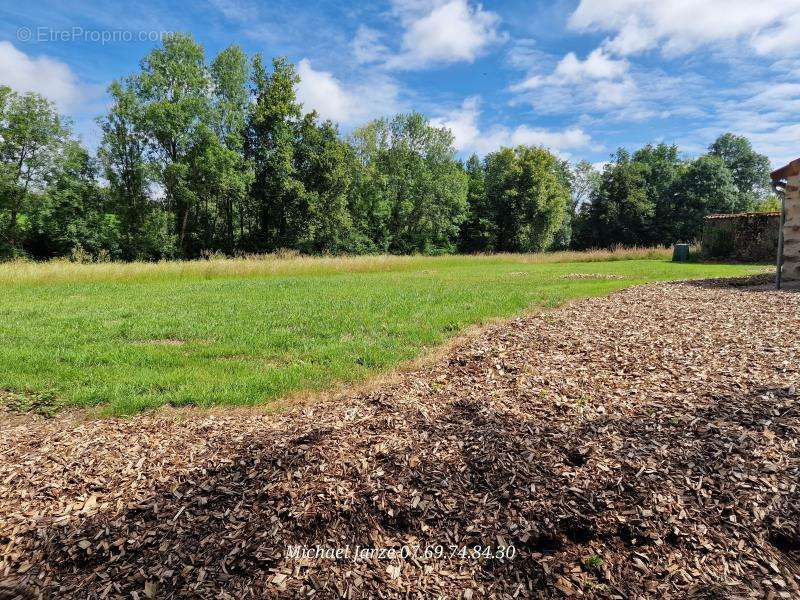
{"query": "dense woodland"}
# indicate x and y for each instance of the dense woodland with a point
(199, 158)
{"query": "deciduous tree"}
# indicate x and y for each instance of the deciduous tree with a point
(412, 184)
(32, 137)
(478, 232)
(621, 211)
(705, 186)
(528, 193)
(277, 193)
(749, 169)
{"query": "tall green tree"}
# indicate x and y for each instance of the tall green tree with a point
(124, 156)
(563, 236)
(228, 170)
(659, 166)
(705, 186)
(478, 230)
(32, 136)
(174, 88)
(219, 180)
(324, 164)
(412, 183)
(621, 211)
(176, 132)
(585, 181)
(584, 185)
(230, 76)
(277, 193)
(528, 193)
(749, 169)
(369, 203)
(73, 214)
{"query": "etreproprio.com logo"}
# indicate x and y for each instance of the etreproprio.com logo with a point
(80, 34)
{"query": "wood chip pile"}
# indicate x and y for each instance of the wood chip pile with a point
(645, 444)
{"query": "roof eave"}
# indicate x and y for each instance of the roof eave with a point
(790, 170)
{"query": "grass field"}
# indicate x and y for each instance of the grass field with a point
(238, 332)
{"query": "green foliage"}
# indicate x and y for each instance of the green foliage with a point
(478, 232)
(659, 167)
(528, 194)
(770, 204)
(228, 175)
(230, 75)
(177, 127)
(584, 182)
(704, 187)
(200, 157)
(173, 88)
(44, 403)
(73, 212)
(410, 186)
(594, 561)
(654, 197)
(277, 193)
(749, 169)
(31, 138)
(621, 211)
(325, 163)
(562, 239)
(123, 156)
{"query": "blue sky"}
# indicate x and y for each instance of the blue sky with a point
(582, 77)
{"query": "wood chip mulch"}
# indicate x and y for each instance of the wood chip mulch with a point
(645, 444)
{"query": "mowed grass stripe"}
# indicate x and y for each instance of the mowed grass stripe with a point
(203, 334)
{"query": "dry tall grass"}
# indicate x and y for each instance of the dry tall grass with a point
(57, 271)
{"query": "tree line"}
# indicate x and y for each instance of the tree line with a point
(202, 157)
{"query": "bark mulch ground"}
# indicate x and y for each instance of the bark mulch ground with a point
(645, 444)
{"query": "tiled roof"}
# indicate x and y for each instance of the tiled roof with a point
(793, 168)
(743, 215)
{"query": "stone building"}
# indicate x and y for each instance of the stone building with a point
(788, 179)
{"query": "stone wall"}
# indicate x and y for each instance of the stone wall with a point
(791, 231)
(744, 237)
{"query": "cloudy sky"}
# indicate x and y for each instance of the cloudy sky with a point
(582, 77)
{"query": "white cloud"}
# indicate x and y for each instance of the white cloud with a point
(599, 82)
(44, 75)
(781, 144)
(598, 65)
(236, 10)
(779, 38)
(680, 26)
(469, 137)
(766, 113)
(559, 141)
(463, 123)
(524, 54)
(443, 32)
(367, 47)
(782, 98)
(348, 104)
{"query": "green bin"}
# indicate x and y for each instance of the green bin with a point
(680, 253)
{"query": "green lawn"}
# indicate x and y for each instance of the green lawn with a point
(132, 337)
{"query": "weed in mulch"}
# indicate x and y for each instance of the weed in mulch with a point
(45, 404)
